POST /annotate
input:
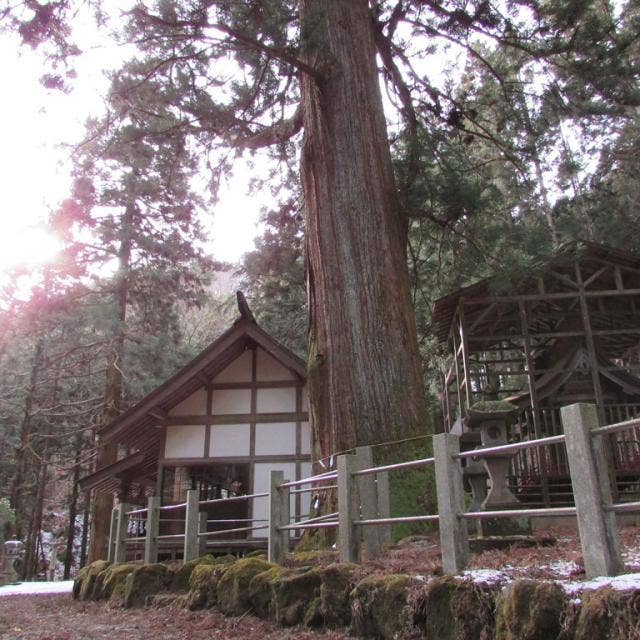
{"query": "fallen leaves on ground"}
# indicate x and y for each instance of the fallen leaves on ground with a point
(55, 617)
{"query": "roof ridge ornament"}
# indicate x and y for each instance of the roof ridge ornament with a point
(243, 307)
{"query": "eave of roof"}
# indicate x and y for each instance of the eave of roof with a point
(210, 362)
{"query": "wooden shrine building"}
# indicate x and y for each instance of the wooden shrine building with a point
(570, 333)
(221, 424)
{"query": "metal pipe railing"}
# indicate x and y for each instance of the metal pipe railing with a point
(169, 507)
(374, 521)
(623, 507)
(313, 489)
(234, 498)
(520, 513)
(618, 426)
(327, 475)
(513, 446)
(173, 536)
(394, 467)
(136, 511)
(305, 525)
(208, 534)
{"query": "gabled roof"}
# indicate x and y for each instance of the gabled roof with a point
(583, 252)
(136, 426)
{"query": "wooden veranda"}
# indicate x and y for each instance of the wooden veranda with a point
(570, 333)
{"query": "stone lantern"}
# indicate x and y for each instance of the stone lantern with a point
(491, 419)
(13, 552)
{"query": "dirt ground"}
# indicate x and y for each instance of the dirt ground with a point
(58, 617)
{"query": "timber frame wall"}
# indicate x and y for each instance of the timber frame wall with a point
(578, 316)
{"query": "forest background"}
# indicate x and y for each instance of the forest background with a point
(513, 128)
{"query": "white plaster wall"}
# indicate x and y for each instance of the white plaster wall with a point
(261, 483)
(269, 369)
(185, 441)
(275, 438)
(276, 400)
(229, 440)
(231, 401)
(238, 371)
(194, 405)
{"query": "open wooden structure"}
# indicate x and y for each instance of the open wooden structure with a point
(221, 425)
(570, 333)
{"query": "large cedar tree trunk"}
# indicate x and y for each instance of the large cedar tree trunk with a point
(365, 378)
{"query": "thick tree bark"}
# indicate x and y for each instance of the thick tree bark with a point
(23, 455)
(365, 378)
(73, 508)
(108, 451)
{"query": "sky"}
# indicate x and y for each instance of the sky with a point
(36, 127)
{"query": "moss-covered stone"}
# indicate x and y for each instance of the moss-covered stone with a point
(113, 581)
(145, 581)
(203, 585)
(291, 595)
(233, 586)
(379, 606)
(257, 553)
(183, 573)
(454, 609)
(86, 580)
(336, 583)
(607, 614)
(170, 600)
(530, 610)
(260, 593)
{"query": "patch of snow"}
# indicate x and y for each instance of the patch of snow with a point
(619, 583)
(36, 588)
(562, 568)
(486, 576)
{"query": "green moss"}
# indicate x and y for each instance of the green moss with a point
(530, 610)
(379, 606)
(114, 579)
(233, 586)
(183, 574)
(607, 614)
(203, 585)
(336, 583)
(260, 593)
(411, 491)
(493, 406)
(313, 613)
(145, 581)
(86, 589)
(456, 609)
(291, 595)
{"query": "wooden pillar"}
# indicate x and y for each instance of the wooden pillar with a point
(591, 345)
(202, 528)
(535, 406)
(465, 355)
(113, 533)
(120, 551)
(153, 528)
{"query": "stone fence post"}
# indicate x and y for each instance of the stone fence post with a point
(591, 491)
(153, 529)
(113, 534)
(279, 516)
(454, 543)
(191, 525)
